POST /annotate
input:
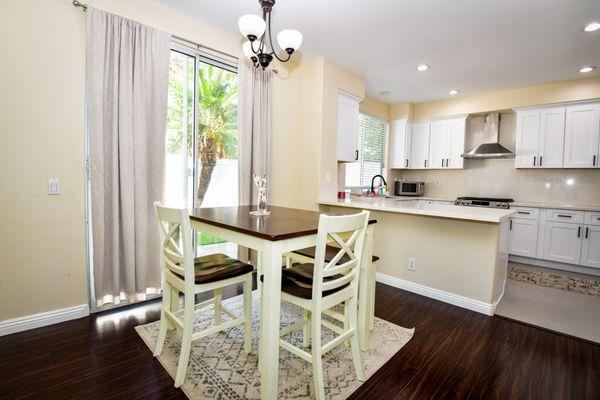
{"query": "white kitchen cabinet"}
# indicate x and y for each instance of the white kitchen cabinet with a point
(439, 144)
(582, 136)
(347, 127)
(527, 138)
(590, 251)
(400, 144)
(562, 242)
(523, 237)
(419, 152)
(457, 131)
(551, 139)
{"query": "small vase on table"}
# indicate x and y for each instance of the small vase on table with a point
(261, 196)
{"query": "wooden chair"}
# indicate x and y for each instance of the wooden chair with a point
(319, 286)
(182, 273)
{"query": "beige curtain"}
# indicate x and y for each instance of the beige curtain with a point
(254, 130)
(126, 94)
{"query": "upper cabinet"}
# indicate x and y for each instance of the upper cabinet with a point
(419, 152)
(347, 127)
(558, 137)
(435, 144)
(582, 136)
(400, 144)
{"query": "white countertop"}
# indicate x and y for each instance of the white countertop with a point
(414, 206)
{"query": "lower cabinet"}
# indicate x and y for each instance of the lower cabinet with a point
(522, 240)
(590, 252)
(562, 242)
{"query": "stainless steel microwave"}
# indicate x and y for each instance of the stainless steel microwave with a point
(409, 188)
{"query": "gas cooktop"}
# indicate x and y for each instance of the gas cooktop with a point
(483, 202)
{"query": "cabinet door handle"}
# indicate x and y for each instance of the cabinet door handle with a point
(587, 229)
(442, 163)
(565, 216)
(407, 163)
(510, 225)
(534, 157)
(594, 161)
(578, 231)
(541, 159)
(523, 212)
(425, 163)
(355, 155)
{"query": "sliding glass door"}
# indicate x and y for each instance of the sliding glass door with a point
(201, 139)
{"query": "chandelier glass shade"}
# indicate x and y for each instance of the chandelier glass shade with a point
(258, 32)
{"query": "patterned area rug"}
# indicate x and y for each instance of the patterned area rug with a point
(219, 368)
(523, 273)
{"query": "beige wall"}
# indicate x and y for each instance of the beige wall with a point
(499, 178)
(464, 263)
(401, 110)
(549, 93)
(42, 238)
(375, 107)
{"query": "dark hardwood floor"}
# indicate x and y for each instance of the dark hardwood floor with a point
(454, 354)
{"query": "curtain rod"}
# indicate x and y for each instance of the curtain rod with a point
(85, 7)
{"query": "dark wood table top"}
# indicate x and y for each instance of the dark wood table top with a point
(283, 223)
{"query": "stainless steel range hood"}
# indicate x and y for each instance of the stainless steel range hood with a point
(490, 148)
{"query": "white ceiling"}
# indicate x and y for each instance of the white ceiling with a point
(471, 45)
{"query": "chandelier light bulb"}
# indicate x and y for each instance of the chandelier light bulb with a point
(252, 26)
(247, 49)
(289, 39)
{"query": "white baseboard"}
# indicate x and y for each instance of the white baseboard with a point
(555, 265)
(42, 319)
(446, 297)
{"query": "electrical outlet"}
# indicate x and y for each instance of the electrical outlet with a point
(548, 185)
(53, 187)
(412, 264)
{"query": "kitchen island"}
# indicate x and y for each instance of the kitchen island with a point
(460, 254)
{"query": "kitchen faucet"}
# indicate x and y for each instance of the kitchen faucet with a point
(373, 182)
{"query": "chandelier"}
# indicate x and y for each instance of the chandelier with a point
(254, 27)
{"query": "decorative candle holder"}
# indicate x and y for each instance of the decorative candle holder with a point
(261, 196)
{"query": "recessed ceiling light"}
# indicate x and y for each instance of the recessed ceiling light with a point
(592, 27)
(453, 92)
(422, 67)
(589, 68)
(385, 93)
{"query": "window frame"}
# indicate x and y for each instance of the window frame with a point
(384, 167)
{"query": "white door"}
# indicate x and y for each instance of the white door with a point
(522, 238)
(347, 127)
(400, 144)
(456, 128)
(438, 144)
(562, 242)
(527, 138)
(419, 152)
(582, 134)
(590, 252)
(552, 137)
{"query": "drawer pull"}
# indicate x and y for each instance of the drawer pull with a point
(524, 212)
(565, 216)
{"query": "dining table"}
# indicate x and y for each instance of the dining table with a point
(271, 236)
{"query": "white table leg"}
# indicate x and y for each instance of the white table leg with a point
(271, 308)
(365, 291)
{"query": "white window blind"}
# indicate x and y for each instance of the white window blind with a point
(370, 143)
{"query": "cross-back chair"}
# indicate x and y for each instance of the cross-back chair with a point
(182, 273)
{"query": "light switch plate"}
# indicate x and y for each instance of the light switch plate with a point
(53, 187)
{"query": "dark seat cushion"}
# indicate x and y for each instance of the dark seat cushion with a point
(304, 273)
(301, 288)
(217, 267)
(330, 252)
